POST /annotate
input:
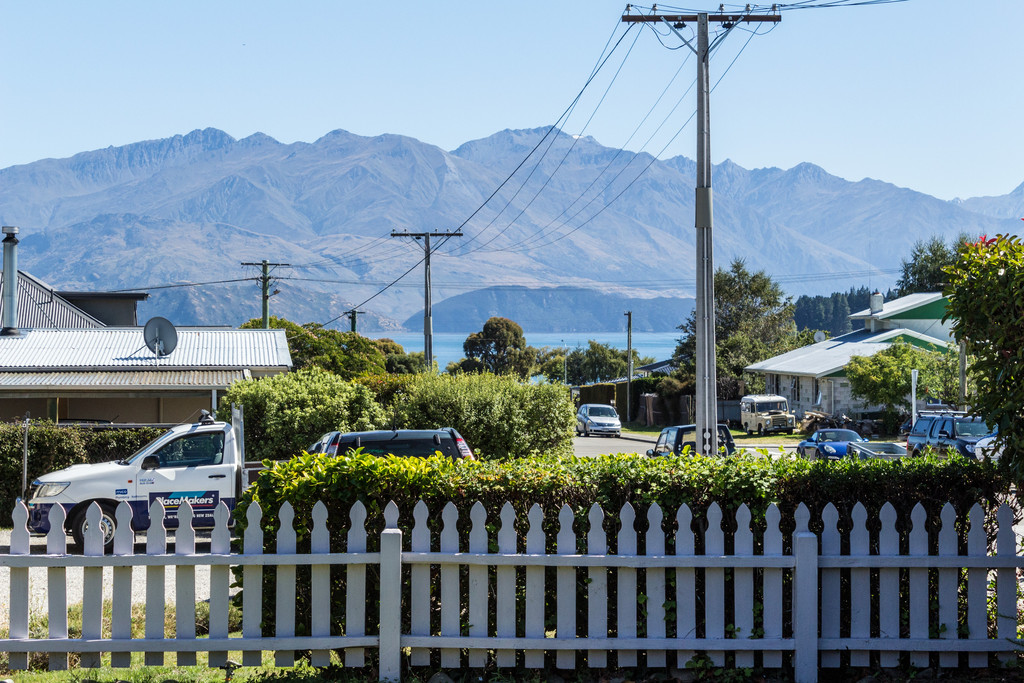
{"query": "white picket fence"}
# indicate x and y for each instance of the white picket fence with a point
(472, 603)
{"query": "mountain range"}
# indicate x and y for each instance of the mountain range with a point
(587, 229)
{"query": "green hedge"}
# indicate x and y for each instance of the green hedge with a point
(52, 447)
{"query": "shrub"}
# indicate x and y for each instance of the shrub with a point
(286, 413)
(498, 415)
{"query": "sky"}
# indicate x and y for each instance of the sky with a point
(924, 94)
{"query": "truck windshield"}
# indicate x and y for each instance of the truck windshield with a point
(136, 454)
(766, 406)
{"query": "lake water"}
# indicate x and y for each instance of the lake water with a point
(448, 345)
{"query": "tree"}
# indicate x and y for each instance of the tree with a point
(397, 361)
(925, 271)
(585, 366)
(986, 306)
(753, 321)
(884, 378)
(346, 354)
(500, 348)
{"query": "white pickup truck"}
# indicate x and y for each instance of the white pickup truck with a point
(202, 463)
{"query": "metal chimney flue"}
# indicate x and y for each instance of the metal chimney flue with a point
(9, 322)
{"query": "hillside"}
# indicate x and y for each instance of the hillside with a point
(192, 208)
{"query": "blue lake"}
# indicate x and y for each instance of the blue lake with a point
(448, 345)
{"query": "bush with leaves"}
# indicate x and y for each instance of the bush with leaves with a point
(498, 415)
(286, 413)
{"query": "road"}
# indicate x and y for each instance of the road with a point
(593, 446)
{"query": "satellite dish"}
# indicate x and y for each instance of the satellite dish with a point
(160, 335)
(819, 336)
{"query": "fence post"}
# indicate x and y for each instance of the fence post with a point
(390, 605)
(805, 601)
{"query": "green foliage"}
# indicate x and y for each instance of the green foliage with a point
(498, 415)
(286, 413)
(884, 378)
(499, 348)
(52, 448)
(585, 366)
(397, 361)
(986, 305)
(347, 354)
(831, 313)
(753, 321)
(926, 269)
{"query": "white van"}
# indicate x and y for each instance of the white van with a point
(766, 413)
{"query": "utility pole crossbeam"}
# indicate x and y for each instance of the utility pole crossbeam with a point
(265, 287)
(352, 314)
(707, 381)
(428, 321)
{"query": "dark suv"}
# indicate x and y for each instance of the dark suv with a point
(416, 443)
(944, 430)
(672, 440)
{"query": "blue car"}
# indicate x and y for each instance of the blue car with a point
(828, 443)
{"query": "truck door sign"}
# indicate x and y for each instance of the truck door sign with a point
(200, 500)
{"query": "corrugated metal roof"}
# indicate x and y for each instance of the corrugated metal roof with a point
(896, 306)
(831, 355)
(138, 380)
(40, 306)
(117, 348)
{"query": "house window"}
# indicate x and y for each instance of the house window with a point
(796, 388)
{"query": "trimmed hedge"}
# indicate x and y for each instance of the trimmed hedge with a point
(52, 447)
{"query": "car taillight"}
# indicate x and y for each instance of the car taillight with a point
(464, 448)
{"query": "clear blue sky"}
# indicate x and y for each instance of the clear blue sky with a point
(925, 94)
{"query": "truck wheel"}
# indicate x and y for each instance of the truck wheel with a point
(108, 523)
(760, 430)
(747, 429)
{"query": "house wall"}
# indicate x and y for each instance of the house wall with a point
(171, 409)
(14, 409)
(802, 394)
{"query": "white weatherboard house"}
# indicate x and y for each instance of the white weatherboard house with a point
(814, 376)
(81, 356)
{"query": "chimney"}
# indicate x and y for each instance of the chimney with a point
(9, 323)
(876, 303)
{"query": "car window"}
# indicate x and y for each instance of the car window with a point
(937, 427)
(666, 442)
(922, 425)
(193, 450)
(602, 411)
(971, 428)
(413, 448)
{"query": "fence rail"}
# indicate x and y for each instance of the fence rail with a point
(825, 599)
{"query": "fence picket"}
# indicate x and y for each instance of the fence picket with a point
(21, 544)
(478, 584)
(185, 584)
(948, 597)
(121, 593)
(830, 545)
(451, 606)
(918, 584)
(284, 619)
(654, 544)
(220, 582)
(743, 586)
(597, 590)
(772, 589)
(626, 584)
(534, 659)
(888, 585)
(156, 544)
(1006, 581)
(686, 606)
(565, 588)
(419, 580)
(355, 585)
(714, 583)
(977, 586)
(860, 585)
(252, 583)
(92, 586)
(320, 584)
(505, 579)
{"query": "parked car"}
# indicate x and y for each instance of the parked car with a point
(946, 429)
(875, 449)
(597, 419)
(828, 443)
(986, 447)
(766, 413)
(672, 440)
(415, 443)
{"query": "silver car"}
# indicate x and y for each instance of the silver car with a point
(597, 419)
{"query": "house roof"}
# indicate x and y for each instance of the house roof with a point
(39, 305)
(831, 356)
(123, 348)
(901, 307)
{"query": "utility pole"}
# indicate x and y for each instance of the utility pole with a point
(352, 317)
(428, 320)
(707, 399)
(629, 361)
(265, 287)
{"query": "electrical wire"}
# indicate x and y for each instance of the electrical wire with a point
(183, 284)
(384, 289)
